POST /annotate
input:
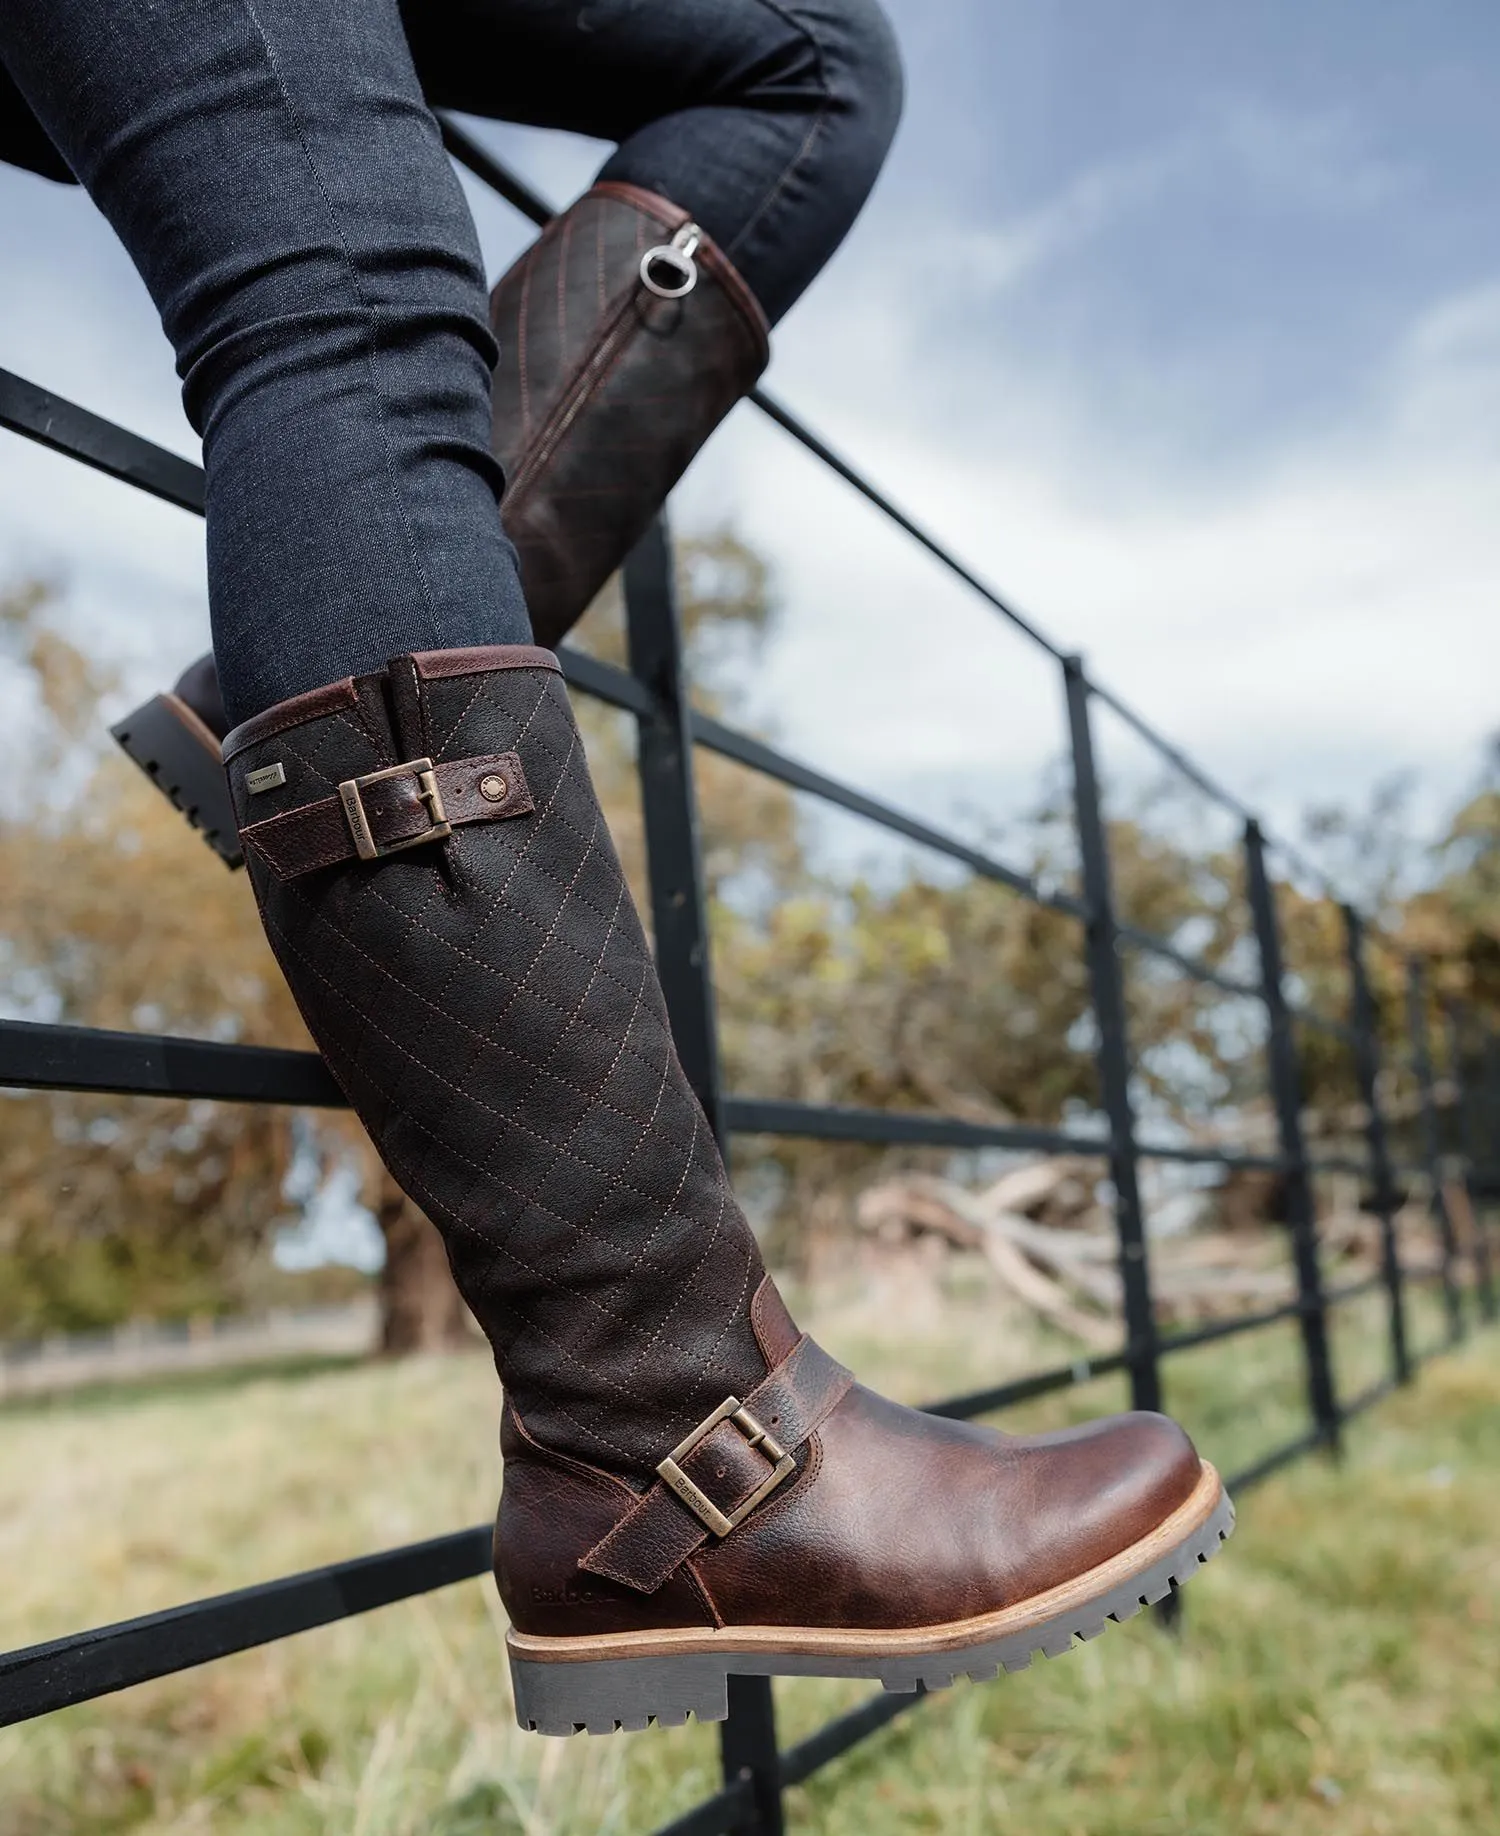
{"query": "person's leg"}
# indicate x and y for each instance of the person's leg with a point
(767, 120)
(749, 133)
(764, 122)
(436, 878)
(277, 178)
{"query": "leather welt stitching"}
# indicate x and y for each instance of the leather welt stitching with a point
(268, 725)
(593, 368)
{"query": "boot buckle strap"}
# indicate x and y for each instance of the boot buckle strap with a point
(733, 1411)
(671, 1521)
(352, 798)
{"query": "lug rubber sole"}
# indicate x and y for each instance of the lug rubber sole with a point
(627, 1680)
(183, 759)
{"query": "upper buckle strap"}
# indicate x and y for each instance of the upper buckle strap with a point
(733, 1411)
(351, 795)
(386, 812)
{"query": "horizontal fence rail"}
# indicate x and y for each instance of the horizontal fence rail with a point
(50, 1057)
(47, 1057)
(39, 1679)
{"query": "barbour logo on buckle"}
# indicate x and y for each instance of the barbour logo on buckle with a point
(733, 1411)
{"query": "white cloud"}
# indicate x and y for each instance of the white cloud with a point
(979, 261)
(1318, 161)
(1304, 624)
(1303, 630)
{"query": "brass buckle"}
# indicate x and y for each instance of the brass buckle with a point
(703, 1507)
(359, 823)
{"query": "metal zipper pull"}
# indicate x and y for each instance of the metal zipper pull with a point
(669, 270)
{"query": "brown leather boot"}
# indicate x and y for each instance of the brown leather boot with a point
(625, 338)
(175, 739)
(692, 1487)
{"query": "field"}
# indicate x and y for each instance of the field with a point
(1337, 1672)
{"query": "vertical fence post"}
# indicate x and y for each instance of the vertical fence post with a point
(1432, 1147)
(1286, 1095)
(679, 917)
(669, 808)
(1367, 1070)
(1466, 1141)
(1107, 985)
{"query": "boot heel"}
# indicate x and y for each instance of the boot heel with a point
(603, 1695)
(182, 757)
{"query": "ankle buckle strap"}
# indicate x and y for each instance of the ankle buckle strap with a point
(733, 1411)
(351, 796)
(665, 1525)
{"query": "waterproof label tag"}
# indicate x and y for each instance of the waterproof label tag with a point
(269, 777)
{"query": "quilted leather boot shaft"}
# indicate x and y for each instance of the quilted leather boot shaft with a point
(693, 1487)
(606, 388)
(481, 988)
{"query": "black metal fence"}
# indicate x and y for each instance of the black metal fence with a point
(1454, 1137)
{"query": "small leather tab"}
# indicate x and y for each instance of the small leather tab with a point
(774, 1328)
(489, 788)
(658, 1533)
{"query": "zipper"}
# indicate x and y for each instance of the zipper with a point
(669, 271)
(674, 259)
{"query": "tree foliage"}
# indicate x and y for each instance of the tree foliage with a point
(921, 989)
(114, 914)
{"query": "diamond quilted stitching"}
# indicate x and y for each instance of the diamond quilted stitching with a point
(493, 1011)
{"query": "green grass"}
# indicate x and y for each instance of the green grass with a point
(1336, 1673)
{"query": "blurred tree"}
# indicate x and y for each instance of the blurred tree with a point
(917, 991)
(1456, 920)
(113, 914)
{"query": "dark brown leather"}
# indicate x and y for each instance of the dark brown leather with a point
(775, 1330)
(898, 1519)
(492, 788)
(296, 710)
(903, 1519)
(604, 392)
(550, 1508)
(432, 665)
(659, 1532)
(490, 1006)
(198, 686)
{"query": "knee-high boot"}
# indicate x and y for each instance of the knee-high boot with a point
(692, 1487)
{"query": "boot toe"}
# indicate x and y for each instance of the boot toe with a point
(1108, 1484)
(906, 1519)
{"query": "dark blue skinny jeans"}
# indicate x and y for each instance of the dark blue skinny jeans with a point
(275, 171)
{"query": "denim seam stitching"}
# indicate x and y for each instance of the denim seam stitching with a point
(366, 307)
(814, 130)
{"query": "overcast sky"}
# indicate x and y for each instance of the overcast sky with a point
(1181, 323)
